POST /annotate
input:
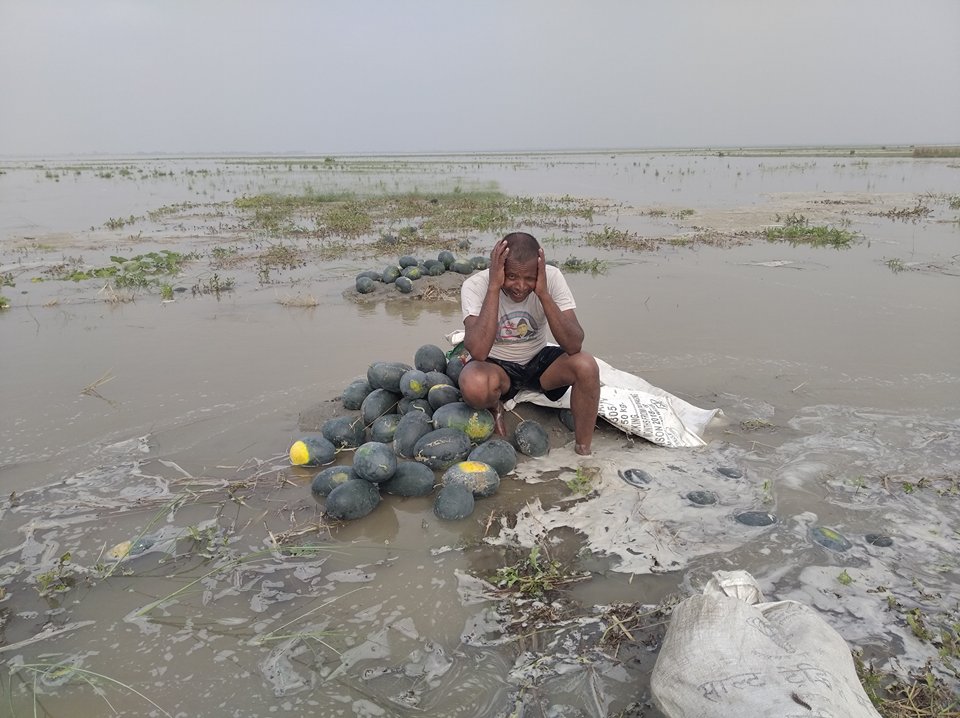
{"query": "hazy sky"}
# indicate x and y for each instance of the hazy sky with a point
(122, 76)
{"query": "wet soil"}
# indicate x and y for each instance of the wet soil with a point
(131, 416)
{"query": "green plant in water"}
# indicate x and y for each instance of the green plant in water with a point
(896, 265)
(534, 575)
(61, 672)
(58, 579)
(796, 229)
(582, 481)
(4, 302)
(845, 578)
(166, 292)
(583, 266)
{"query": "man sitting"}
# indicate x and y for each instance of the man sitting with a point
(507, 313)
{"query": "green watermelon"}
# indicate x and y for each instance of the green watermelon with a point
(365, 285)
(453, 503)
(531, 439)
(462, 266)
(355, 393)
(374, 462)
(410, 479)
(441, 448)
(378, 403)
(387, 375)
(353, 499)
(413, 425)
(440, 394)
(384, 427)
(390, 274)
(499, 453)
(447, 257)
(429, 358)
(344, 431)
(408, 261)
(404, 285)
(413, 384)
(331, 477)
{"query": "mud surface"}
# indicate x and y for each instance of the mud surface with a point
(165, 421)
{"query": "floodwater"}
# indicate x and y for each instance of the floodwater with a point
(167, 424)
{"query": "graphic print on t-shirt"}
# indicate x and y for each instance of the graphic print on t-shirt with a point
(517, 327)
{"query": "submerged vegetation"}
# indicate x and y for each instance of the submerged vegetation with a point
(435, 214)
(796, 229)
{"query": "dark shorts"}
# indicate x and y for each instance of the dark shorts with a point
(527, 376)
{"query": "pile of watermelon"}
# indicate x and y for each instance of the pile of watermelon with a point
(407, 427)
(409, 269)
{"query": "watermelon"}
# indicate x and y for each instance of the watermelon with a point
(353, 499)
(413, 273)
(462, 266)
(499, 453)
(412, 426)
(387, 375)
(344, 431)
(408, 405)
(455, 365)
(434, 267)
(375, 462)
(355, 393)
(371, 274)
(328, 479)
(429, 358)
(384, 427)
(312, 451)
(365, 285)
(446, 256)
(441, 394)
(378, 403)
(531, 438)
(404, 285)
(482, 479)
(410, 479)
(475, 423)
(566, 418)
(480, 262)
(453, 503)
(438, 377)
(441, 448)
(408, 261)
(413, 384)
(390, 274)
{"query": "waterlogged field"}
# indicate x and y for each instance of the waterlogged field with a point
(170, 326)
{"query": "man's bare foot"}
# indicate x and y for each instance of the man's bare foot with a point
(582, 449)
(499, 426)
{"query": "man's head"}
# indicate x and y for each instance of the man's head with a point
(521, 265)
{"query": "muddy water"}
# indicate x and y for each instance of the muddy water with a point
(838, 379)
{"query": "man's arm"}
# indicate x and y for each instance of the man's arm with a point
(564, 324)
(481, 330)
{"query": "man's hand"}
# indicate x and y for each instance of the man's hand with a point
(498, 258)
(541, 288)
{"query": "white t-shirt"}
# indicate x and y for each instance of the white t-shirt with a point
(522, 328)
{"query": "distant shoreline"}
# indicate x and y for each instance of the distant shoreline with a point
(915, 151)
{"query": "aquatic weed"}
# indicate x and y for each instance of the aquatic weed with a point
(796, 229)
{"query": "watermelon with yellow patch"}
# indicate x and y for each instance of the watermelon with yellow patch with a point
(482, 479)
(312, 451)
(478, 424)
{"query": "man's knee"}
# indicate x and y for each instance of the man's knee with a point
(585, 368)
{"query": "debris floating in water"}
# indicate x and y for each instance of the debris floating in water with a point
(829, 539)
(636, 477)
(756, 518)
(879, 540)
(702, 498)
(730, 472)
